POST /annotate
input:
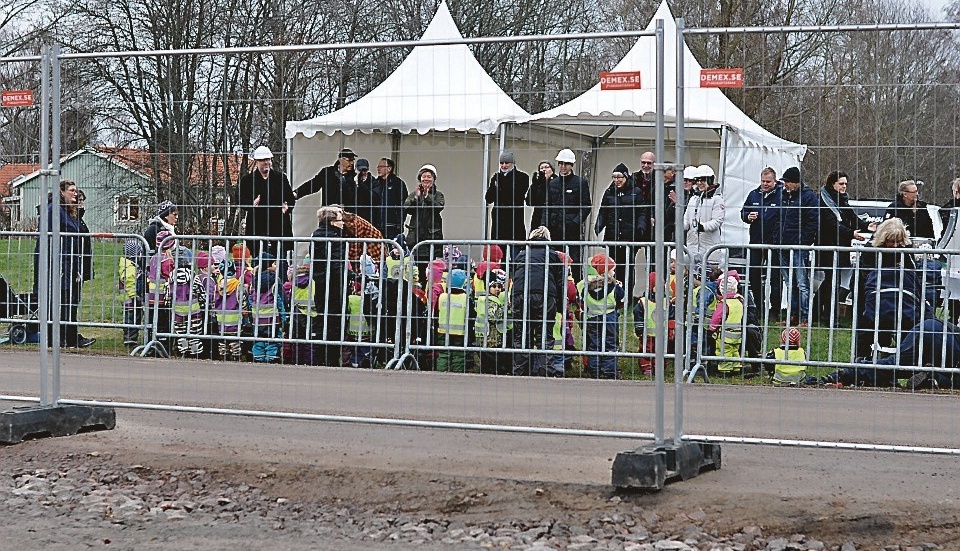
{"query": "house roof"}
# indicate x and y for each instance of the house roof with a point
(206, 167)
(13, 171)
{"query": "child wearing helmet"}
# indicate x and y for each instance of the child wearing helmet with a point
(453, 307)
(603, 298)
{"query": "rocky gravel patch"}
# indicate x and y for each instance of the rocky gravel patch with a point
(91, 491)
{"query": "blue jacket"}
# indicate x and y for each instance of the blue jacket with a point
(766, 228)
(799, 217)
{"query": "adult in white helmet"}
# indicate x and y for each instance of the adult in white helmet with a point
(266, 198)
(704, 216)
(424, 206)
(567, 206)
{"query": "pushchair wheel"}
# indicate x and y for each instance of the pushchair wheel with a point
(18, 333)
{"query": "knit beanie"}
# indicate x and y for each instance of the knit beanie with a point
(165, 208)
(792, 337)
(792, 174)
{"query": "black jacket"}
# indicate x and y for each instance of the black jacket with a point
(507, 193)
(386, 201)
(918, 221)
(267, 219)
(566, 207)
(534, 266)
(837, 227)
(337, 188)
(622, 214)
(537, 198)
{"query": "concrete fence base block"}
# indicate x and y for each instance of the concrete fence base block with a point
(19, 424)
(651, 467)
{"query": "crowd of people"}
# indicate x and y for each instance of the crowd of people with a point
(234, 300)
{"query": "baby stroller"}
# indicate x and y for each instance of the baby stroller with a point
(21, 311)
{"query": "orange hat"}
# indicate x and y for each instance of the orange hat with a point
(240, 252)
(792, 336)
(602, 263)
(565, 258)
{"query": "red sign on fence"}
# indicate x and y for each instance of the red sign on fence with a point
(16, 98)
(721, 78)
(627, 80)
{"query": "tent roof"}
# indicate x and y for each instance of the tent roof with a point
(633, 108)
(435, 88)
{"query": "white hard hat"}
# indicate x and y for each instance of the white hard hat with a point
(704, 171)
(566, 156)
(261, 153)
(425, 168)
(690, 173)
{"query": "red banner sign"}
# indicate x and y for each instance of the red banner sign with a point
(721, 78)
(627, 80)
(16, 98)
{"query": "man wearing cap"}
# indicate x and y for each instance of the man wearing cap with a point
(337, 182)
(567, 206)
(507, 190)
(365, 183)
(761, 212)
(387, 198)
(266, 197)
(799, 225)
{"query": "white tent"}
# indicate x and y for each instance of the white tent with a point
(620, 125)
(441, 93)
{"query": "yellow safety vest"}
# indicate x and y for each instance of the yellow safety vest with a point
(452, 314)
(301, 300)
(357, 325)
(732, 330)
(789, 373)
(597, 307)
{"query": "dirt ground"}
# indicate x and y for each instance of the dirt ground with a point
(161, 481)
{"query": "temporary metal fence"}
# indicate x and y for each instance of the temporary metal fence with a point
(222, 298)
(699, 146)
(98, 264)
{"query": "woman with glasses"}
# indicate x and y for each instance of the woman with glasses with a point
(909, 208)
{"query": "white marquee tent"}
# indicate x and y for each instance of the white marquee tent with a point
(620, 125)
(441, 107)
(440, 92)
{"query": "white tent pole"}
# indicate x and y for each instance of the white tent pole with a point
(486, 178)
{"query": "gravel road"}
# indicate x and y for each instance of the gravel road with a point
(178, 481)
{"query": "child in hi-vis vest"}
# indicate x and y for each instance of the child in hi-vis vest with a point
(452, 308)
(727, 323)
(602, 297)
(788, 351)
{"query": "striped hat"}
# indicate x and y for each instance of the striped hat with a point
(792, 336)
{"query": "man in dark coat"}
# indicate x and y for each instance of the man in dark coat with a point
(365, 184)
(799, 225)
(387, 198)
(338, 182)
(536, 298)
(567, 206)
(267, 199)
(507, 190)
(909, 208)
(330, 283)
(761, 212)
